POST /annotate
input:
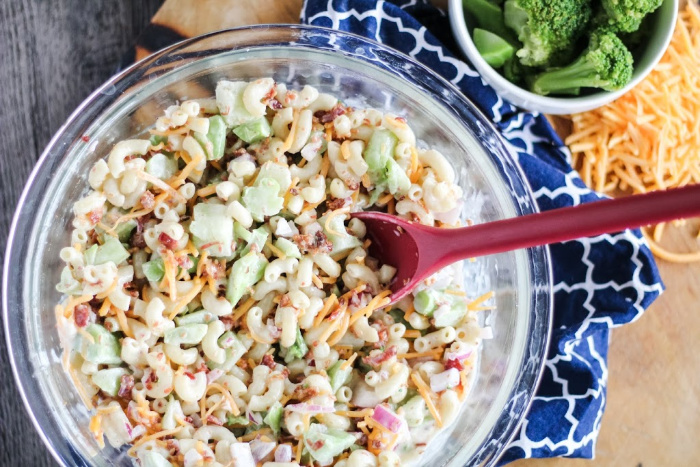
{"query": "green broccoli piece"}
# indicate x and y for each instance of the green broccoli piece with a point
(626, 15)
(606, 64)
(489, 16)
(495, 50)
(517, 73)
(546, 27)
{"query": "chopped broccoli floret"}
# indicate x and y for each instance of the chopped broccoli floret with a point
(606, 64)
(626, 15)
(546, 27)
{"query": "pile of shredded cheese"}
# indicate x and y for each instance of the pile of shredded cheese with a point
(648, 139)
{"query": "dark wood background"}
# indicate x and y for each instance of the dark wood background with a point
(53, 53)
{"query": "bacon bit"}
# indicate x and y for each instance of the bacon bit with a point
(338, 203)
(167, 241)
(330, 115)
(150, 379)
(383, 334)
(212, 420)
(228, 322)
(213, 269)
(147, 200)
(285, 301)
(340, 309)
(184, 261)
(301, 393)
(381, 358)
(314, 244)
(268, 361)
(95, 215)
(172, 446)
(85, 138)
(125, 386)
(81, 313)
(453, 363)
(318, 444)
(137, 239)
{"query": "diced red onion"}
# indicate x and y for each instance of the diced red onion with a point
(445, 380)
(243, 455)
(255, 418)
(459, 355)
(260, 449)
(213, 375)
(310, 150)
(244, 157)
(136, 431)
(275, 332)
(283, 453)
(387, 418)
(308, 408)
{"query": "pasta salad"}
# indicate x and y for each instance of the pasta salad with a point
(222, 308)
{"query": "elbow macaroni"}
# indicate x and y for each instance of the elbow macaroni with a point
(257, 313)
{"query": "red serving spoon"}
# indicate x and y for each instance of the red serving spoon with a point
(417, 251)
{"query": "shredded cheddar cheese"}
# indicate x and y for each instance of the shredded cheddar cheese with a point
(243, 309)
(275, 251)
(330, 301)
(475, 304)
(292, 132)
(123, 323)
(74, 301)
(649, 138)
(158, 435)
(327, 223)
(340, 332)
(206, 191)
(187, 298)
(189, 168)
(345, 365)
(254, 434)
(334, 325)
(436, 353)
(325, 166)
(376, 303)
(355, 413)
(425, 393)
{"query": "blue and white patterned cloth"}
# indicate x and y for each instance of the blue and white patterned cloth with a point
(599, 282)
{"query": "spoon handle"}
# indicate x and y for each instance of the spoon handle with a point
(558, 225)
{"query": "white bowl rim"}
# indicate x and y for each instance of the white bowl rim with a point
(534, 102)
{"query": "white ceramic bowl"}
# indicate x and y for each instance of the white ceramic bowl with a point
(663, 25)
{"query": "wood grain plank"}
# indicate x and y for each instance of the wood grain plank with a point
(52, 55)
(213, 15)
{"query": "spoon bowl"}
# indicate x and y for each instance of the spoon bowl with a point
(418, 251)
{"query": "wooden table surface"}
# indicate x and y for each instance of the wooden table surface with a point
(53, 53)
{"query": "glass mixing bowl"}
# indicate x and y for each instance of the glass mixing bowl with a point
(361, 73)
